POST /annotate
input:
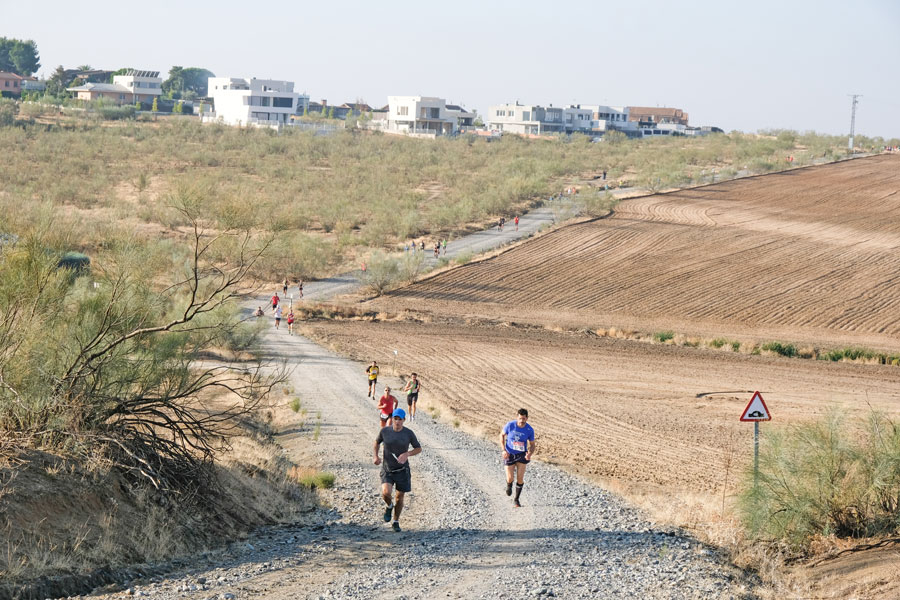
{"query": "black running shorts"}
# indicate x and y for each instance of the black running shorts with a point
(516, 458)
(410, 398)
(402, 479)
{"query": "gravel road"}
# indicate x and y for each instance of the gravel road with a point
(461, 537)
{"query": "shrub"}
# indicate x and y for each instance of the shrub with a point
(381, 274)
(717, 343)
(663, 336)
(825, 478)
(788, 350)
(295, 405)
(116, 113)
(463, 258)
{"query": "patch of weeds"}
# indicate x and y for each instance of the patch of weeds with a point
(717, 343)
(456, 423)
(463, 258)
(313, 479)
(295, 405)
(735, 346)
(663, 336)
(788, 350)
(317, 431)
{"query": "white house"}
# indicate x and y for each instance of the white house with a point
(258, 102)
(525, 118)
(464, 118)
(144, 86)
(420, 115)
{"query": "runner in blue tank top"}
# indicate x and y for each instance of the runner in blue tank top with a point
(517, 441)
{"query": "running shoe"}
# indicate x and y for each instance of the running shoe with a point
(396, 526)
(388, 512)
(516, 504)
(509, 489)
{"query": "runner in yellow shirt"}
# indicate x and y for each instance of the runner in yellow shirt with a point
(372, 374)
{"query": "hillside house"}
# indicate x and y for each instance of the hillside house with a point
(257, 102)
(420, 115)
(646, 114)
(129, 88)
(10, 84)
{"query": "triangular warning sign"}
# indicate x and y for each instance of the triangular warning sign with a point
(756, 410)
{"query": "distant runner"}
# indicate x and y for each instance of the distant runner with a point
(395, 468)
(372, 374)
(444, 245)
(387, 404)
(277, 316)
(300, 288)
(275, 300)
(290, 320)
(517, 222)
(284, 286)
(517, 441)
(412, 395)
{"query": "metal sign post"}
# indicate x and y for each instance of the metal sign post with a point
(756, 411)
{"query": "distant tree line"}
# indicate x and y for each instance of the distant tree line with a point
(17, 56)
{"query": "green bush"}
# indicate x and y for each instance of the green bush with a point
(663, 336)
(382, 273)
(825, 478)
(788, 350)
(116, 113)
(321, 480)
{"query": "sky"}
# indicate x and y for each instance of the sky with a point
(749, 65)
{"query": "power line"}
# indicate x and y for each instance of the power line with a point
(853, 118)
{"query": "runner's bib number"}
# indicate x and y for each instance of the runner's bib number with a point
(518, 446)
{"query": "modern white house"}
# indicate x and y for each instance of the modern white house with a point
(464, 118)
(256, 102)
(525, 119)
(576, 118)
(425, 115)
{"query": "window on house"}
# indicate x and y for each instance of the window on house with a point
(7, 84)
(526, 115)
(282, 102)
(403, 110)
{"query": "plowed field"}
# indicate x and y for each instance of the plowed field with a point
(810, 255)
(626, 410)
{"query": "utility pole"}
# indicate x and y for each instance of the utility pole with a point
(853, 119)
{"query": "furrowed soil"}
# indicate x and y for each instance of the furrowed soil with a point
(808, 255)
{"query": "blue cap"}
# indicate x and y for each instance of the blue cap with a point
(399, 413)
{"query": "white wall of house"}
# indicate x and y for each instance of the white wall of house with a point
(144, 87)
(264, 102)
(420, 113)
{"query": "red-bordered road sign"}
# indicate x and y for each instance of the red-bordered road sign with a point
(756, 410)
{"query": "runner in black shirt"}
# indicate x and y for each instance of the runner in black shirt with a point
(395, 466)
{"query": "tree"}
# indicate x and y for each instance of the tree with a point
(178, 108)
(18, 56)
(58, 82)
(85, 68)
(155, 107)
(187, 83)
(122, 374)
(331, 112)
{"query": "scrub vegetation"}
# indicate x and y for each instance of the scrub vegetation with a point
(331, 199)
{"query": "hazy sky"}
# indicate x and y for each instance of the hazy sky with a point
(739, 65)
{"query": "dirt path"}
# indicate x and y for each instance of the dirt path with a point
(462, 538)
